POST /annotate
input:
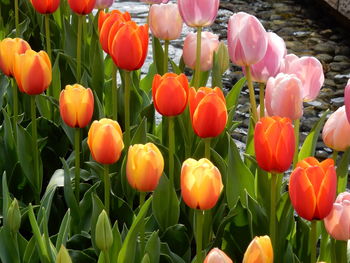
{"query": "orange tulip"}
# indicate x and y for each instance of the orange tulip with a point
(105, 140)
(274, 143)
(45, 7)
(8, 48)
(76, 105)
(82, 7)
(217, 256)
(312, 188)
(129, 46)
(33, 72)
(259, 251)
(170, 93)
(144, 166)
(201, 184)
(208, 111)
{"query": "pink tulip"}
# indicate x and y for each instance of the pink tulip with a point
(217, 256)
(347, 100)
(338, 221)
(198, 13)
(336, 131)
(284, 96)
(266, 114)
(247, 39)
(269, 66)
(165, 21)
(151, 2)
(286, 62)
(102, 4)
(209, 44)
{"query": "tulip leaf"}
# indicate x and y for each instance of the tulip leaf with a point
(97, 207)
(233, 95)
(146, 259)
(30, 253)
(152, 248)
(117, 244)
(169, 256)
(8, 251)
(158, 55)
(146, 82)
(96, 60)
(128, 191)
(140, 135)
(178, 240)
(343, 171)
(6, 200)
(56, 78)
(258, 220)
(45, 203)
(63, 231)
(302, 240)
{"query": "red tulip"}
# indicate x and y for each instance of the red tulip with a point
(45, 7)
(82, 7)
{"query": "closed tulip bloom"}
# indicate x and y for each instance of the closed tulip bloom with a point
(209, 44)
(165, 21)
(201, 184)
(82, 7)
(286, 62)
(274, 144)
(337, 222)
(102, 4)
(9, 47)
(76, 106)
(144, 167)
(284, 96)
(217, 256)
(259, 251)
(105, 140)
(170, 93)
(208, 111)
(33, 72)
(347, 100)
(45, 7)
(129, 46)
(198, 13)
(151, 2)
(247, 39)
(336, 131)
(312, 188)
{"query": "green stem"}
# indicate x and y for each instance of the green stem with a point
(199, 234)
(166, 55)
(114, 93)
(333, 251)
(251, 94)
(207, 148)
(15, 239)
(171, 149)
(106, 256)
(296, 134)
(16, 18)
(313, 241)
(49, 52)
(15, 107)
(262, 99)
(142, 229)
(197, 72)
(107, 182)
(341, 248)
(335, 156)
(35, 151)
(273, 190)
(77, 162)
(324, 243)
(80, 28)
(128, 84)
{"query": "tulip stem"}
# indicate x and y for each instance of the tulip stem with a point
(166, 55)
(128, 83)
(197, 72)
(251, 94)
(114, 93)
(106, 256)
(15, 107)
(80, 28)
(38, 181)
(341, 248)
(296, 134)
(142, 229)
(107, 182)
(262, 99)
(48, 47)
(171, 149)
(199, 234)
(16, 18)
(273, 190)
(313, 241)
(335, 156)
(207, 148)
(324, 242)
(77, 162)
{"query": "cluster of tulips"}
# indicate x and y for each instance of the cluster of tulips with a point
(285, 82)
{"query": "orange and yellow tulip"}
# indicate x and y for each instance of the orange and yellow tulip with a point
(201, 184)
(76, 105)
(259, 251)
(33, 72)
(208, 111)
(144, 166)
(313, 187)
(45, 7)
(105, 140)
(170, 93)
(274, 143)
(82, 7)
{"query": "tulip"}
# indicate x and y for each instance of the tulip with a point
(105, 141)
(82, 7)
(33, 72)
(336, 131)
(337, 222)
(284, 96)
(76, 105)
(45, 7)
(144, 167)
(104, 234)
(170, 93)
(209, 44)
(63, 256)
(347, 100)
(151, 2)
(9, 47)
(274, 144)
(14, 217)
(102, 4)
(129, 46)
(208, 111)
(165, 21)
(217, 256)
(312, 188)
(247, 39)
(259, 251)
(198, 13)
(287, 61)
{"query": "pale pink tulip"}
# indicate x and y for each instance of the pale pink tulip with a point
(198, 13)
(217, 256)
(247, 39)
(338, 221)
(286, 62)
(347, 100)
(102, 4)
(284, 96)
(266, 114)
(151, 2)
(165, 21)
(336, 131)
(209, 44)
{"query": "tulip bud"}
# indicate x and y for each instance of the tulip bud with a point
(217, 256)
(14, 216)
(82, 7)
(63, 256)
(347, 100)
(151, 2)
(104, 235)
(198, 13)
(45, 7)
(222, 58)
(259, 250)
(102, 4)
(144, 167)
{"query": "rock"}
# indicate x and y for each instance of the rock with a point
(325, 47)
(341, 58)
(325, 58)
(326, 32)
(339, 66)
(342, 50)
(338, 102)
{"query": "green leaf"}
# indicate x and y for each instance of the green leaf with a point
(45, 203)
(152, 248)
(63, 231)
(258, 220)
(56, 78)
(343, 171)
(97, 207)
(6, 200)
(9, 144)
(30, 254)
(166, 253)
(8, 251)
(177, 239)
(233, 95)
(140, 135)
(146, 259)
(158, 55)
(146, 82)
(117, 244)
(96, 60)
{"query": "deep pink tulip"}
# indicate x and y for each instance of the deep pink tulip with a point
(247, 39)
(284, 96)
(336, 131)
(338, 221)
(165, 21)
(102, 4)
(151, 2)
(209, 44)
(347, 100)
(217, 256)
(198, 13)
